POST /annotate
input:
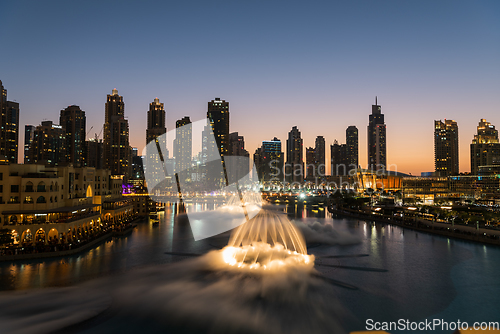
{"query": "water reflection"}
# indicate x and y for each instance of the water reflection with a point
(427, 275)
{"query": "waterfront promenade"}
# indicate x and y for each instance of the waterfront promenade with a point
(57, 250)
(465, 232)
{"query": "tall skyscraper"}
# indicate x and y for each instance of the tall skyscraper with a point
(268, 161)
(9, 128)
(485, 147)
(154, 132)
(116, 136)
(95, 148)
(319, 157)
(183, 147)
(239, 167)
(344, 157)
(49, 145)
(310, 164)
(377, 157)
(29, 132)
(73, 120)
(351, 136)
(218, 114)
(294, 156)
(338, 158)
(446, 147)
(156, 121)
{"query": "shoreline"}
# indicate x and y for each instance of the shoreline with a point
(481, 235)
(87, 246)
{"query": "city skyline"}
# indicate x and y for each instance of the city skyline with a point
(90, 136)
(425, 61)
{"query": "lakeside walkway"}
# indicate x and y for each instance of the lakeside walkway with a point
(465, 232)
(40, 252)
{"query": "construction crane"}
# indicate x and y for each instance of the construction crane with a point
(98, 135)
(87, 135)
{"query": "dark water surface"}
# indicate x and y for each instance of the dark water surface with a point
(427, 276)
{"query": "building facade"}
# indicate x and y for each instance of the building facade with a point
(9, 128)
(485, 147)
(116, 148)
(377, 150)
(73, 120)
(183, 147)
(59, 205)
(446, 147)
(49, 145)
(294, 169)
(218, 114)
(29, 133)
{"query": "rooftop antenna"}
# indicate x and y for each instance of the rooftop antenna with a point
(376, 101)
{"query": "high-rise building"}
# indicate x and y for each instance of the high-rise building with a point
(49, 145)
(29, 132)
(268, 161)
(338, 158)
(9, 128)
(116, 136)
(344, 157)
(310, 163)
(95, 148)
(485, 147)
(183, 147)
(294, 157)
(446, 147)
(73, 120)
(155, 132)
(137, 166)
(239, 167)
(351, 137)
(319, 157)
(377, 156)
(156, 121)
(218, 114)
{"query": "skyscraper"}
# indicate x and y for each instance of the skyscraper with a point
(485, 147)
(183, 147)
(49, 145)
(377, 157)
(73, 120)
(154, 132)
(29, 132)
(218, 114)
(294, 157)
(95, 148)
(446, 147)
(351, 136)
(156, 121)
(116, 136)
(239, 167)
(319, 157)
(344, 157)
(268, 161)
(310, 164)
(9, 128)
(338, 158)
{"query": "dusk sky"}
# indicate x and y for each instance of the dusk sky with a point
(316, 65)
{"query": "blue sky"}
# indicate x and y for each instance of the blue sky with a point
(317, 65)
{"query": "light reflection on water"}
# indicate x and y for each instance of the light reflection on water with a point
(428, 276)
